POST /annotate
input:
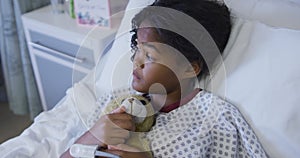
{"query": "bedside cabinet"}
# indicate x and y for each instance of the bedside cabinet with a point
(61, 51)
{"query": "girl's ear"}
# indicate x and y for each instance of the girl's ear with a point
(193, 70)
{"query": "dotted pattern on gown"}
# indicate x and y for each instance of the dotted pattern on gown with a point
(207, 126)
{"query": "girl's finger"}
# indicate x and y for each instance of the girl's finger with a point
(123, 147)
(114, 141)
(120, 133)
(119, 110)
(125, 125)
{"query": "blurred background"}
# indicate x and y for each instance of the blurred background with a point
(11, 124)
(19, 100)
(40, 41)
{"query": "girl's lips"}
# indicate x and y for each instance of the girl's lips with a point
(136, 75)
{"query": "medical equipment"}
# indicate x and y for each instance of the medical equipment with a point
(88, 151)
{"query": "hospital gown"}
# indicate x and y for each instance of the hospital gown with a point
(206, 126)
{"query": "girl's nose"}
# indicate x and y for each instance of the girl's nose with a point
(138, 65)
(138, 61)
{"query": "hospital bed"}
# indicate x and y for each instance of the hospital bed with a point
(262, 71)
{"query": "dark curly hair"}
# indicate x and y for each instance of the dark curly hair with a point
(212, 15)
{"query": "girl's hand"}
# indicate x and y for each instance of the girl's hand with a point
(126, 151)
(110, 129)
(114, 128)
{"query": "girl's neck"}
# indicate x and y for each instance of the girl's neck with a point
(162, 100)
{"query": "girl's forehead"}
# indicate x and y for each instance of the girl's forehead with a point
(147, 34)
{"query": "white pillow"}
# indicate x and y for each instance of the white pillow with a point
(263, 81)
(278, 13)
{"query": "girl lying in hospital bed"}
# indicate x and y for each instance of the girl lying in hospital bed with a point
(174, 43)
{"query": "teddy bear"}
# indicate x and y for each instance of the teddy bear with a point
(142, 111)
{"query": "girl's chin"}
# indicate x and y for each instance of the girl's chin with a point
(139, 87)
(144, 89)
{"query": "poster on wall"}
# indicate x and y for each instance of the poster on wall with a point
(93, 12)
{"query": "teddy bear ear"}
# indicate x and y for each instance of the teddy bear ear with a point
(143, 102)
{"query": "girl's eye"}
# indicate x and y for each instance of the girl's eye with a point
(138, 51)
(148, 56)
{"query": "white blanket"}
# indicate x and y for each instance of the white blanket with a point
(205, 127)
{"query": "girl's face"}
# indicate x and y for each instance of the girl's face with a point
(153, 63)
